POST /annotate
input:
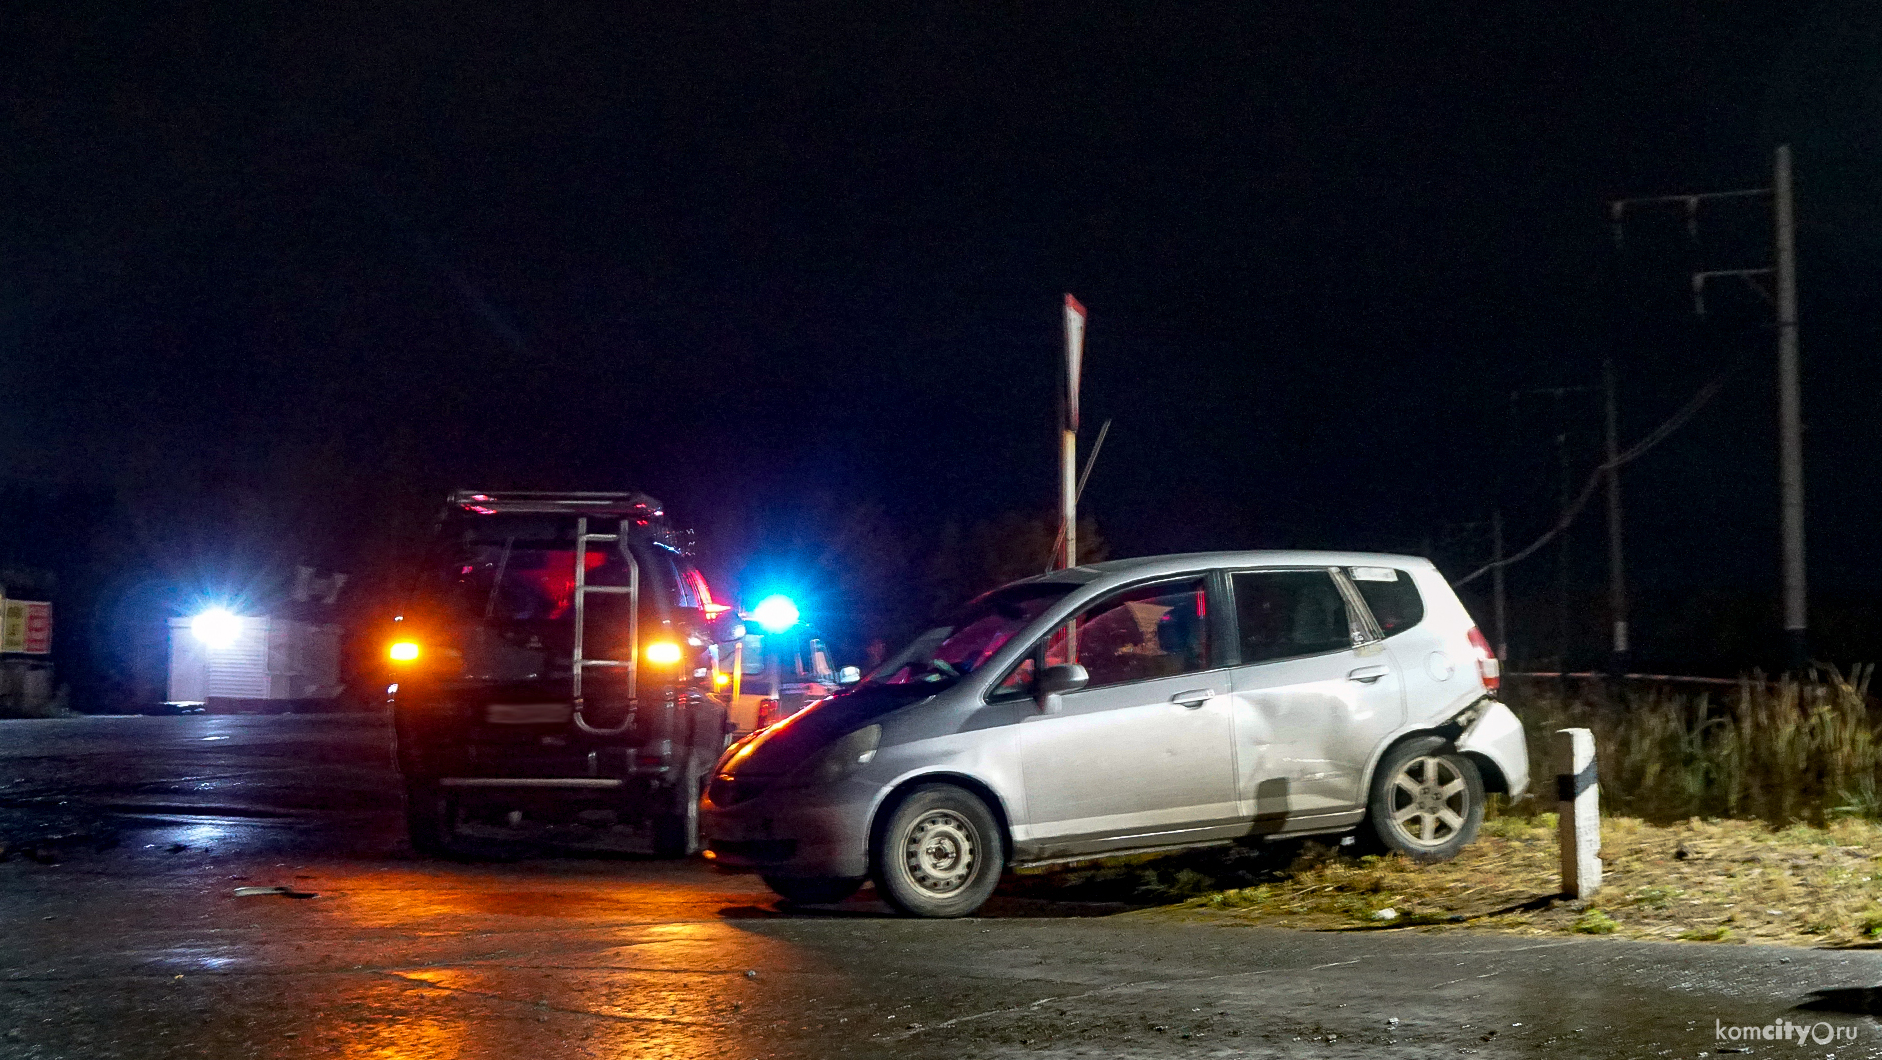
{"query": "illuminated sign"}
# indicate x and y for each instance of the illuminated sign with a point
(27, 627)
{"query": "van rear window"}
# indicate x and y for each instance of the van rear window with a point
(1391, 596)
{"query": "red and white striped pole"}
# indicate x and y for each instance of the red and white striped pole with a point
(1068, 434)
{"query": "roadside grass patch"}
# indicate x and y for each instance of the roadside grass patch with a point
(1594, 922)
(1777, 751)
(1696, 880)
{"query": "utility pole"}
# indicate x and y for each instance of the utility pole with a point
(1091, 458)
(1790, 415)
(1068, 494)
(1617, 568)
(1499, 607)
(1565, 490)
(1068, 433)
(1783, 273)
(1469, 539)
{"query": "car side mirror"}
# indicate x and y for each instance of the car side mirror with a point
(726, 628)
(1055, 681)
(848, 675)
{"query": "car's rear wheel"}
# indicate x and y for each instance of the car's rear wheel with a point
(813, 890)
(1426, 801)
(941, 853)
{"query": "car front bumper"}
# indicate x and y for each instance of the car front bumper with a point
(805, 832)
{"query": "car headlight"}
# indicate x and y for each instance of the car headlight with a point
(840, 759)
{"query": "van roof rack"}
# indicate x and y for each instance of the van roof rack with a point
(498, 502)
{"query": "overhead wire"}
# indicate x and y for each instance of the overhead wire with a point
(1654, 437)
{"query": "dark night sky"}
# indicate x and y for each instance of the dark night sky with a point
(736, 254)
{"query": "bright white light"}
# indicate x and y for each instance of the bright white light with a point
(775, 613)
(216, 627)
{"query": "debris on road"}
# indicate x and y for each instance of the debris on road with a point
(284, 892)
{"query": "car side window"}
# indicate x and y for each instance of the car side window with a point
(1142, 633)
(1150, 631)
(1285, 613)
(1017, 684)
(1390, 595)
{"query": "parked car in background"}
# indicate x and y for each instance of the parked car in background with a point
(1131, 706)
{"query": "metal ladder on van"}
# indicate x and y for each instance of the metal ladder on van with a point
(579, 663)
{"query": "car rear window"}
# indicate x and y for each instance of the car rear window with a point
(1391, 596)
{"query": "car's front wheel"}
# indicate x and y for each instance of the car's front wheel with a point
(941, 853)
(1426, 801)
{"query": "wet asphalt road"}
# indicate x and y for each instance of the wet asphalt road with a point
(120, 936)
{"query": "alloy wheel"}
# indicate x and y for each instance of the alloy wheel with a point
(1430, 801)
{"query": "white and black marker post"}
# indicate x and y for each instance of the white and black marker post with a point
(1579, 798)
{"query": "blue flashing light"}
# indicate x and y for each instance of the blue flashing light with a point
(775, 614)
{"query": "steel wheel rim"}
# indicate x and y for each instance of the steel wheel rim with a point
(1429, 801)
(940, 852)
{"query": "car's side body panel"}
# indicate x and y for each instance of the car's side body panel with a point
(1305, 730)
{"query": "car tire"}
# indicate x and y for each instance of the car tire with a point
(940, 853)
(430, 818)
(813, 890)
(1426, 801)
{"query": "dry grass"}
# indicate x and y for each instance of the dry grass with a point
(1775, 751)
(1751, 815)
(1712, 881)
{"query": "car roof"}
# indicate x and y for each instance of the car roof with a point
(1177, 563)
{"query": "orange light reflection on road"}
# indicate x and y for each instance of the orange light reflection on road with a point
(550, 960)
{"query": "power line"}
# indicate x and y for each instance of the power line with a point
(1655, 437)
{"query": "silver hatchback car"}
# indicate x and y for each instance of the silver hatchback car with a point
(1137, 705)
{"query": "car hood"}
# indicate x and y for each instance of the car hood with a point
(782, 747)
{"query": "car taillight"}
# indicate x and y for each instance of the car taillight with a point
(1487, 667)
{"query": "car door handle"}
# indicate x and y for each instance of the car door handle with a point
(1368, 674)
(1194, 698)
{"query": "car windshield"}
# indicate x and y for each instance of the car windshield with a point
(949, 652)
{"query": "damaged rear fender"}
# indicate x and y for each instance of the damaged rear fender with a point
(1496, 737)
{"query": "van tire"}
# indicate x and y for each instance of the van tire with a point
(1426, 801)
(676, 832)
(940, 854)
(430, 818)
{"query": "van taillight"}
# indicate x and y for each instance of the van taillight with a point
(1487, 667)
(768, 711)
